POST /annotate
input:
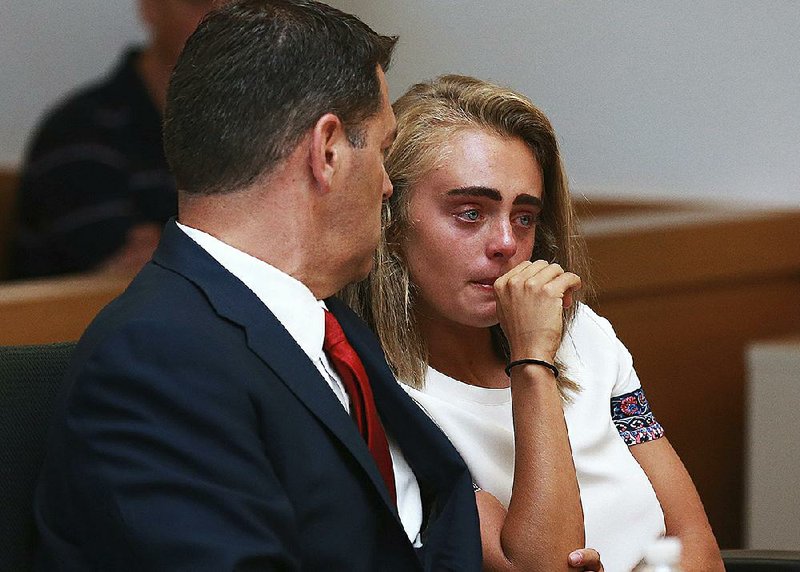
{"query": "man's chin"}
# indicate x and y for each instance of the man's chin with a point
(489, 322)
(361, 270)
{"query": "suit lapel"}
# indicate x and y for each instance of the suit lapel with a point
(451, 536)
(428, 451)
(268, 339)
(303, 379)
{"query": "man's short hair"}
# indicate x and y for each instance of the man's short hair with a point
(255, 77)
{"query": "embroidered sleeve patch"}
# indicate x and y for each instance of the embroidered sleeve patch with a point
(633, 418)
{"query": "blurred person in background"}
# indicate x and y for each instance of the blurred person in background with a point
(95, 188)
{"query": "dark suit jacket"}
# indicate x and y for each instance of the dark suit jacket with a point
(195, 434)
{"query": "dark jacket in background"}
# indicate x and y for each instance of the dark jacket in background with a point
(95, 167)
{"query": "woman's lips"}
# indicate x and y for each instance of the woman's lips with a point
(486, 283)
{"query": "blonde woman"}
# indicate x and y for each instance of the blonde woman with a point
(475, 297)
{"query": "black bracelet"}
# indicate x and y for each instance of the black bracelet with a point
(526, 361)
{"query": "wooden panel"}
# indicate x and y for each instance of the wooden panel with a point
(687, 299)
(731, 246)
(689, 350)
(588, 207)
(8, 189)
(53, 310)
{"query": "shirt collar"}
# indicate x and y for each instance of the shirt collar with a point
(289, 299)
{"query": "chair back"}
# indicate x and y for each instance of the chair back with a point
(761, 560)
(30, 377)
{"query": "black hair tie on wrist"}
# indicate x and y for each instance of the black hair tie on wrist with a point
(526, 361)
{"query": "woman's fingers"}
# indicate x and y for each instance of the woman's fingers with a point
(540, 275)
(564, 286)
(586, 559)
(530, 300)
(523, 268)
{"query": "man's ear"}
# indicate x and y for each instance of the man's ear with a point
(329, 145)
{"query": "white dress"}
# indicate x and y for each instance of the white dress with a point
(622, 515)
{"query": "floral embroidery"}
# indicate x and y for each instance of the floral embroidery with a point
(633, 418)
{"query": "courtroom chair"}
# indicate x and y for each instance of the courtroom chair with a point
(761, 560)
(30, 378)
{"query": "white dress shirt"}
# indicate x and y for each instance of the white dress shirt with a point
(303, 317)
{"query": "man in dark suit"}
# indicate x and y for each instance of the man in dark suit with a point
(204, 424)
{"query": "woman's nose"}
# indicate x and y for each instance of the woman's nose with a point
(502, 242)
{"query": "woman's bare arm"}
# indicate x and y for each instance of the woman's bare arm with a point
(683, 511)
(544, 521)
(492, 516)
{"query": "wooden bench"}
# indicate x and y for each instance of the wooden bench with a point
(53, 309)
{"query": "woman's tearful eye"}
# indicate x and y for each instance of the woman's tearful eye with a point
(527, 220)
(470, 215)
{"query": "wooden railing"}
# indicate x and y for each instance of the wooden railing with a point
(54, 309)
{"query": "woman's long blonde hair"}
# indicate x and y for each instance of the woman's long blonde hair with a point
(428, 116)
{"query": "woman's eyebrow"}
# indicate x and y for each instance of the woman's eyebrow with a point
(493, 194)
(476, 191)
(526, 199)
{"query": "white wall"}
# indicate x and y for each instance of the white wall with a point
(47, 48)
(772, 510)
(678, 98)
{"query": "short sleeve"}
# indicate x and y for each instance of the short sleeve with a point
(634, 419)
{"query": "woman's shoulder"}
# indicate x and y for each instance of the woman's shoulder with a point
(591, 349)
(587, 322)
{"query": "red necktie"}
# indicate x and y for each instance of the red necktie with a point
(348, 365)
